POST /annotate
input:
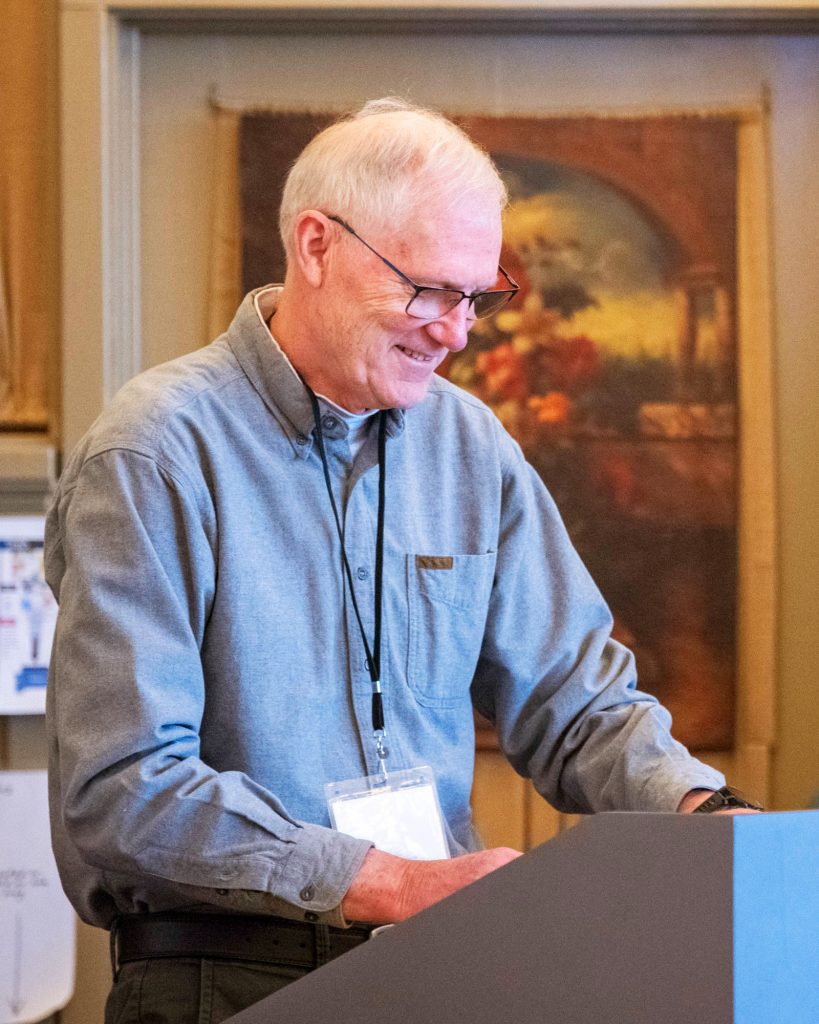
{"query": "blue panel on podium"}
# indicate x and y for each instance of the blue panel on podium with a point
(776, 919)
(626, 918)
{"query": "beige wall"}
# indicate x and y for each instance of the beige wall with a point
(795, 145)
(522, 75)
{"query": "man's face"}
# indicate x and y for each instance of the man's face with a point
(377, 355)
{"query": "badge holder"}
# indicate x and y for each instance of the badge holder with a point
(397, 811)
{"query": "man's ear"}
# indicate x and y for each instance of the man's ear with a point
(312, 235)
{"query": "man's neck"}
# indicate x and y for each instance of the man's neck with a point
(294, 338)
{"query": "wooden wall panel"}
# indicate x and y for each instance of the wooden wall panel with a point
(29, 232)
(499, 801)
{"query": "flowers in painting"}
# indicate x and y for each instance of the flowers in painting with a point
(526, 371)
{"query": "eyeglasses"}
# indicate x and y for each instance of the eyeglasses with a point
(431, 303)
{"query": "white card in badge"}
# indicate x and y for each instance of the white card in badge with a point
(397, 811)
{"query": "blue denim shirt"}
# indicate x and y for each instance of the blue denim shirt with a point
(208, 677)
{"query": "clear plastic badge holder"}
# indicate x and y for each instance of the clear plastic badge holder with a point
(397, 811)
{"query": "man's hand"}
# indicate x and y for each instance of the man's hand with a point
(694, 797)
(389, 889)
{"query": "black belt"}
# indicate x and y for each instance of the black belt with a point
(262, 939)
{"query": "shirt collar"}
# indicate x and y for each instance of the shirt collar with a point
(273, 375)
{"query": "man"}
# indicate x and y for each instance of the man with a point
(297, 557)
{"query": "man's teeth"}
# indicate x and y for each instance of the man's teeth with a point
(417, 356)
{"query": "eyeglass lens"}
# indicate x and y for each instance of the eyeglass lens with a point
(431, 303)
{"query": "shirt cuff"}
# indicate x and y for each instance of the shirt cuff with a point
(308, 884)
(667, 785)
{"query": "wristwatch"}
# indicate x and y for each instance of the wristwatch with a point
(725, 799)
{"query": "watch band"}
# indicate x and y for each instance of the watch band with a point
(725, 799)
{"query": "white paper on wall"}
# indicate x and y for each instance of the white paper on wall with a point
(28, 615)
(37, 923)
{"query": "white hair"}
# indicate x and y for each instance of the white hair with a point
(378, 164)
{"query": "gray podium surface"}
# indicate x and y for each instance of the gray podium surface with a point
(625, 919)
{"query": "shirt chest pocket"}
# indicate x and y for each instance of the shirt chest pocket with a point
(448, 597)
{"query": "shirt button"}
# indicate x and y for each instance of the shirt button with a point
(362, 573)
(311, 917)
(301, 439)
(308, 893)
(328, 422)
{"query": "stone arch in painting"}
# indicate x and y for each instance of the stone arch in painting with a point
(679, 170)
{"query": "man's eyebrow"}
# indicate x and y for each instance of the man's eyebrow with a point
(449, 286)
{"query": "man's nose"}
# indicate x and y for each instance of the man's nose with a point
(451, 329)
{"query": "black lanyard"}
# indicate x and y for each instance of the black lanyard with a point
(374, 655)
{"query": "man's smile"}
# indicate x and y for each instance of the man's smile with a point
(411, 353)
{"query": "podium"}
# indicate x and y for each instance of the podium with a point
(625, 919)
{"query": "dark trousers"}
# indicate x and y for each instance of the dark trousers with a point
(191, 991)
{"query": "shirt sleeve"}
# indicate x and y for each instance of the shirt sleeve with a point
(130, 558)
(561, 692)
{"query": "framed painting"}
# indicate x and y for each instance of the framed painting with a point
(615, 367)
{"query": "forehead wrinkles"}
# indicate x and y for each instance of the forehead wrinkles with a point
(463, 265)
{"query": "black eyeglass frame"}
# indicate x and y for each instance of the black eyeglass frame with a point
(417, 288)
